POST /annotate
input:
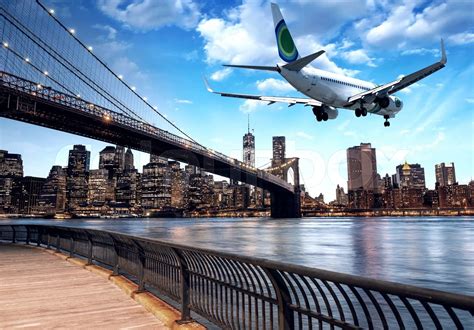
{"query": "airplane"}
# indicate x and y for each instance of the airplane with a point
(328, 91)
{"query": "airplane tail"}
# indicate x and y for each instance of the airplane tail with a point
(286, 47)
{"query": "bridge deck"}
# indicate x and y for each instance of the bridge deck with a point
(40, 290)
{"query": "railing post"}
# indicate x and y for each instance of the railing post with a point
(58, 242)
(14, 235)
(185, 288)
(27, 235)
(285, 314)
(48, 243)
(71, 250)
(116, 257)
(38, 239)
(141, 267)
(89, 251)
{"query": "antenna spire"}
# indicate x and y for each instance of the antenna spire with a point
(248, 123)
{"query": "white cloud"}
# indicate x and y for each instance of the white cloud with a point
(111, 32)
(358, 56)
(408, 90)
(461, 38)
(440, 137)
(183, 101)
(405, 24)
(152, 14)
(470, 100)
(272, 84)
(421, 51)
(250, 106)
(304, 135)
(221, 74)
(246, 36)
(346, 44)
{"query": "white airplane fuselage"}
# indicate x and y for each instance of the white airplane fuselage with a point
(334, 90)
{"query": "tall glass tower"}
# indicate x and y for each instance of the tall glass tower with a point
(249, 147)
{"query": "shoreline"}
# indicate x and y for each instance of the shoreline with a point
(395, 213)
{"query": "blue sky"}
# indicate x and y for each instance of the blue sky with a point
(164, 47)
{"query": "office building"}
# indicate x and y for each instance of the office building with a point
(362, 168)
(53, 194)
(127, 190)
(178, 185)
(101, 188)
(77, 177)
(128, 162)
(410, 176)
(249, 148)
(156, 185)
(445, 174)
(341, 196)
(279, 150)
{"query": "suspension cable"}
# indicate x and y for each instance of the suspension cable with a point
(128, 110)
(116, 76)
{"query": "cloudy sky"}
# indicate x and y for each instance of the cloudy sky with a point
(164, 47)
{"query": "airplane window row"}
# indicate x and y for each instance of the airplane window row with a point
(344, 83)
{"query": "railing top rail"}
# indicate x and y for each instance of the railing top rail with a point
(409, 291)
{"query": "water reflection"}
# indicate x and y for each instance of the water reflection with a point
(430, 252)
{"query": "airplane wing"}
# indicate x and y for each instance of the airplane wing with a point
(394, 86)
(270, 99)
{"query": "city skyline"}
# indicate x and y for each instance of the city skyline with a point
(194, 47)
(370, 177)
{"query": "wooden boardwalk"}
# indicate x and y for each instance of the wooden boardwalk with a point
(40, 290)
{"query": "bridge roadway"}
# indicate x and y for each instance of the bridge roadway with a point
(39, 290)
(29, 102)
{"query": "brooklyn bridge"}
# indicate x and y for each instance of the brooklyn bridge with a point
(50, 78)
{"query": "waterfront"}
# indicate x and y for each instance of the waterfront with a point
(436, 253)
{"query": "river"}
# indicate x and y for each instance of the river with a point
(436, 253)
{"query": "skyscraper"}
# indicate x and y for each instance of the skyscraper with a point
(100, 190)
(156, 184)
(107, 158)
(341, 196)
(278, 150)
(119, 158)
(249, 148)
(445, 174)
(362, 168)
(11, 172)
(410, 176)
(11, 165)
(53, 195)
(77, 176)
(129, 160)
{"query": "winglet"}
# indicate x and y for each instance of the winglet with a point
(443, 53)
(209, 89)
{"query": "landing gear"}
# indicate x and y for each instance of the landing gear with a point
(361, 112)
(386, 123)
(320, 114)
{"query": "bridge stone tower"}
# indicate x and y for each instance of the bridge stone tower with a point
(285, 204)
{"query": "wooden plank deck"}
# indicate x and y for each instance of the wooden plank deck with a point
(39, 290)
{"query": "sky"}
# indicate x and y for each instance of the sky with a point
(165, 47)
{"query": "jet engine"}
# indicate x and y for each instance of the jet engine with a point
(332, 112)
(384, 101)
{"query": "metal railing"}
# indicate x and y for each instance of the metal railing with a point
(35, 90)
(240, 292)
